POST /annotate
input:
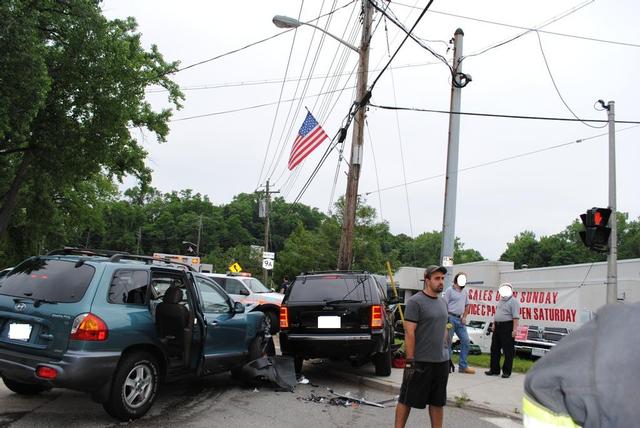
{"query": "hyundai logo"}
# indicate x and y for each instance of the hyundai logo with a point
(20, 307)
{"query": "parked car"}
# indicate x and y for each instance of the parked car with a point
(115, 326)
(338, 315)
(244, 288)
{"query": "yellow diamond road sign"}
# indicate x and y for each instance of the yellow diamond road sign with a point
(235, 268)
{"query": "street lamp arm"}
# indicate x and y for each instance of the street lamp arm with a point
(286, 22)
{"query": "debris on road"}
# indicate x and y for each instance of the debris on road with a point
(277, 370)
(344, 400)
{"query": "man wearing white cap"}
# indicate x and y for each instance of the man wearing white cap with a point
(505, 328)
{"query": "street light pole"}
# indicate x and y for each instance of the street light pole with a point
(451, 182)
(351, 197)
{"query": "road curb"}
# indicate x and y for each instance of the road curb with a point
(383, 385)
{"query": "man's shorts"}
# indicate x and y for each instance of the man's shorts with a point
(425, 383)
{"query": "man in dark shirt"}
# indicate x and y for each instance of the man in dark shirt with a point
(426, 343)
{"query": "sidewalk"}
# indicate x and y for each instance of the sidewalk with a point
(492, 393)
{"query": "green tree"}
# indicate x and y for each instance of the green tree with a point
(74, 83)
(524, 250)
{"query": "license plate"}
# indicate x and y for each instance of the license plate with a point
(19, 331)
(328, 322)
(537, 352)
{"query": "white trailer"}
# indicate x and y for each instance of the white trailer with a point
(558, 296)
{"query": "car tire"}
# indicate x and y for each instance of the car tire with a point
(24, 388)
(134, 387)
(273, 320)
(382, 362)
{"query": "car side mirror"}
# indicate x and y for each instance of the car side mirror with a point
(238, 308)
(244, 292)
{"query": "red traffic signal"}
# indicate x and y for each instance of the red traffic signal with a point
(596, 233)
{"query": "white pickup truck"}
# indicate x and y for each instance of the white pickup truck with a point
(531, 340)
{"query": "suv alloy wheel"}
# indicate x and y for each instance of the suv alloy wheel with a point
(134, 387)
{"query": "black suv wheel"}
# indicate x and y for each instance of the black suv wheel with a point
(134, 387)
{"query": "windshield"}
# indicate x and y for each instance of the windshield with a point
(256, 286)
(328, 289)
(52, 280)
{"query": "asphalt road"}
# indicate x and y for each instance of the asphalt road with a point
(221, 401)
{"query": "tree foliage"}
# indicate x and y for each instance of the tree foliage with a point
(71, 88)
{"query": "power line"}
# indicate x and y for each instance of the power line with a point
(279, 151)
(254, 43)
(558, 90)
(493, 162)
(504, 116)
(502, 24)
(408, 34)
(275, 116)
(536, 28)
(246, 108)
(275, 81)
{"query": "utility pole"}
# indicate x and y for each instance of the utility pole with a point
(351, 197)
(612, 258)
(267, 201)
(199, 236)
(451, 183)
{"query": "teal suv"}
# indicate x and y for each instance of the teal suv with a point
(116, 326)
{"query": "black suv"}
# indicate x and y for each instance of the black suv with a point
(338, 315)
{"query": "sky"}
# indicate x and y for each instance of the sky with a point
(221, 154)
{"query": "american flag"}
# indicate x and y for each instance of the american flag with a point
(309, 137)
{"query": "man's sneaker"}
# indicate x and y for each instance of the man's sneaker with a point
(467, 370)
(302, 380)
(490, 373)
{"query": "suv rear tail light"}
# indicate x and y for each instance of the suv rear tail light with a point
(89, 327)
(284, 317)
(376, 316)
(46, 372)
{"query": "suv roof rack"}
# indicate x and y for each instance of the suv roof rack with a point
(321, 272)
(83, 252)
(115, 258)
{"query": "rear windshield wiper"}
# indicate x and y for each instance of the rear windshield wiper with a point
(333, 302)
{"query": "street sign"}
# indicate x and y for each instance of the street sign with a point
(235, 268)
(267, 264)
(447, 261)
(268, 255)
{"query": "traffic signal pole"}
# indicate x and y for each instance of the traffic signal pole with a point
(612, 258)
(451, 182)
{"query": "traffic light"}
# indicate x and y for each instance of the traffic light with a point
(596, 232)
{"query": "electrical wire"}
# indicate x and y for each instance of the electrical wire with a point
(295, 93)
(558, 90)
(409, 33)
(504, 116)
(375, 167)
(275, 116)
(217, 113)
(502, 24)
(254, 43)
(276, 81)
(508, 158)
(291, 119)
(536, 28)
(324, 109)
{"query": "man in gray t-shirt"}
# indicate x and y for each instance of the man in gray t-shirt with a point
(427, 356)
